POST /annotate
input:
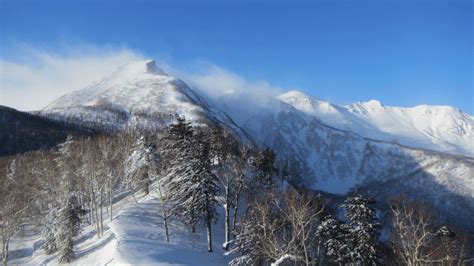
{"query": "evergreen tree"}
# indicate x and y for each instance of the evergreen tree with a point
(49, 232)
(181, 130)
(65, 218)
(334, 236)
(364, 230)
(264, 171)
(205, 188)
(69, 222)
(178, 161)
(191, 184)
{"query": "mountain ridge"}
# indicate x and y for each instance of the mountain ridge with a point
(318, 155)
(441, 128)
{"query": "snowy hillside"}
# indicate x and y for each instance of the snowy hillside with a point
(134, 237)
(137, 93)
(336, 161)
(441, 128)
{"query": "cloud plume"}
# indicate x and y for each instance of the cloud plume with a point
(37, 77)
(33, 78)
(216, 82)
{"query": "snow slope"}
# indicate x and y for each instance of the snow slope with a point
(134, 237)
(441, 128)
(140, 239)
(136, 93)
(337, 161)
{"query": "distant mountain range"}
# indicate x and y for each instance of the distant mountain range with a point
(441, 128)
(425, 151)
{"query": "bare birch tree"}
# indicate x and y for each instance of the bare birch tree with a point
(277, 231)
(14, 204)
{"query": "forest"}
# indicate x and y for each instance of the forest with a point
(195, 171)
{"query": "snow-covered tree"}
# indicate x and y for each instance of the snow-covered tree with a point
(137, 165)
(364, 230)
(334, 237)
(111, 169)
(177, 149)
(264, 171)
(15, 199)
(49, 232)
(67, 221)
(191, 184)
(144, 163)
(61, 226)
(228, 161)
(177, 159)
(91, 173)
(200, 192)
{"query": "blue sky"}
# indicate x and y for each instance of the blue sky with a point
(402, 53)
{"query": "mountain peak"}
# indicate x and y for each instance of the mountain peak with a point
(374, 103)
(152, 68)
(368, 105)
(142, 67)
(298, 99)
(294, 94)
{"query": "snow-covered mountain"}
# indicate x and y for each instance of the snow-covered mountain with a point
(337, 161)
(441, 128)
(324, 146)
(138, 93)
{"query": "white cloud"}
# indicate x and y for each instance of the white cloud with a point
(37, 77)
(240, 97)
(216, 81)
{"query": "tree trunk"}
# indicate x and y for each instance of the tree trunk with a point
(165, 215)
(146, 185)
(97, 224)
(94, 206)
(111, 205)
(193, 229)
(306, 255)
(91, 210)
(227, 218)
(165, 220)
(81, 202)
(209, 237)
(236, 208)
(101, 213)
(234, 219)
(5, 251)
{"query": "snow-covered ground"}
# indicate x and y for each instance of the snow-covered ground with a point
(134, 237)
